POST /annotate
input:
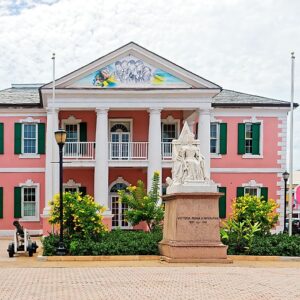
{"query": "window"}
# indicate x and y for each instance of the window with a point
(249, 138)
(29, 206)
(72, 133)
(117, 208)
(218, 138)
(120, 140)
(29, 139)
(169, 132)
(214, 137)
(252, 191)
(70, 189)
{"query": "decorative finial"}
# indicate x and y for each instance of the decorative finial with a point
(293, 54)
(53, 55)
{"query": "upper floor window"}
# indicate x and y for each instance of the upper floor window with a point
(29, 139)
(169, 132)
(72, 133)
(249, 138)
(218, 138)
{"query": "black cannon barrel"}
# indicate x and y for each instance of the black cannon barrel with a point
(19, 228)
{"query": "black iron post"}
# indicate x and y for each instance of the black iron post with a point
(61, 250)
(285, 176)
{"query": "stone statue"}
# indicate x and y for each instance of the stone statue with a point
(188, 163)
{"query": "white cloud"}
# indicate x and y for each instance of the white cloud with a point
(239, 44)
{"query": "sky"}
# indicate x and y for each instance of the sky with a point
(243, 45)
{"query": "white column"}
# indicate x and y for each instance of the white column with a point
(204, 137)
(154, 146)
(49, 158)
(55, 155)
(101, 155)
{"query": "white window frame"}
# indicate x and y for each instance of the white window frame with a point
(72, 121)
(217, 153)
(118, 180)
(261, 138)
(71, 184)
(216, 120)
(112, 122)
(30, 184)
(252, 184)
(170, 121)
(29, 121)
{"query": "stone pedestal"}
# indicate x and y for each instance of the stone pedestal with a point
(191, 228)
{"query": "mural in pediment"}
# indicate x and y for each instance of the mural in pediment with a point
(129, 71)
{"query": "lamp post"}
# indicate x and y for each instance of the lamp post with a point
(285, 177)
(60, 137)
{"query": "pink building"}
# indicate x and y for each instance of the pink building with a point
(121, 113)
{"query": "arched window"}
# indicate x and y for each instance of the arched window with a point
(117, 208)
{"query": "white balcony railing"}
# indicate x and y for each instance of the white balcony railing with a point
(79, 150)
(117, 151)
(128, 150)
(166, 151)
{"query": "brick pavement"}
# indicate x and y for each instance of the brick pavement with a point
(26, 278)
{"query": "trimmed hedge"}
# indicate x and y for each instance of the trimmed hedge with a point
(272, 244)
(115, 242)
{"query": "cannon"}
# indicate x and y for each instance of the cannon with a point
(22, 241)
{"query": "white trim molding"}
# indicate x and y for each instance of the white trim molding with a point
(252, 183)
(71, 184)
(118, 180)
(71, 120)
(30, 120)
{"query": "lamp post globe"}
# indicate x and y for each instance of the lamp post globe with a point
(285, 176)
(60, 137)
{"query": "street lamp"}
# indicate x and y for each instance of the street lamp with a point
(60, 137)
(285, 177)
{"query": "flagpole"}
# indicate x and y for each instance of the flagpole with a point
(53, 82)
(291, 145)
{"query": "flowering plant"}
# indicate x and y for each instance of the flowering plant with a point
(82, 216)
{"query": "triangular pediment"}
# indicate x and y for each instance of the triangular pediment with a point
(130, 72)
(131, 66)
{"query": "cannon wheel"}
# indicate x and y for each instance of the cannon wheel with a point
(30, 251)
(34, 246)
(11, 250)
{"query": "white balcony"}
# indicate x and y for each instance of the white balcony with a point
(134, 151)
(128, 150)
(79, 150)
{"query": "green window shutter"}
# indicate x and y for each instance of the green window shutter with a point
(241, 138)
(41, 138)
(83, 132)
(223, 138)
(255, 138)
(264, 193)
(82, 190)
(1, 202)
(240, 191)
(1, 138)
(222, 203)
(18, 138)
(17, 202)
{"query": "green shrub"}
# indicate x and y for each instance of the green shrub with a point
(143, 206)
(116, 242)
(276, 244)
(251, 216)
(81, 216)
(50, 244)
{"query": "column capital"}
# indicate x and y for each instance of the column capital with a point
(205, 111)
(155, 110)
(52, 110)
(102, 110)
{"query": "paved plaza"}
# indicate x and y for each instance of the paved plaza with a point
(26, 278)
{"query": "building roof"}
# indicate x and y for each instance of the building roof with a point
(28, 95)
(21, 95)
(229, 98)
